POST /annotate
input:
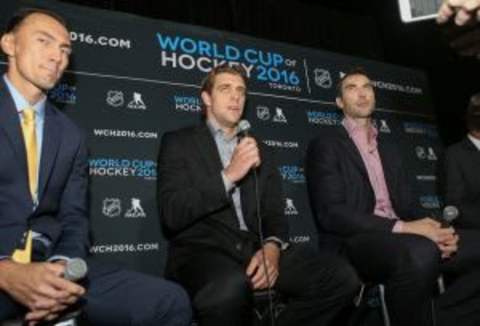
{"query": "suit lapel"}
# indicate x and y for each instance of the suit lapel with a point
(10, 123)
(207, 148)
(353, 151)
(51, 142)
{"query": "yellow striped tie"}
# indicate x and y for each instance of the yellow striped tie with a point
(30, 138)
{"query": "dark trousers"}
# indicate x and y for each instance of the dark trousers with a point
(119, 297)
(408, 266)
(317, 287)
(460, 305)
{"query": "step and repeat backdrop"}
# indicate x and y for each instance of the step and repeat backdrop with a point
(131, 79)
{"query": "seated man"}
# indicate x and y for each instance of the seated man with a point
(43, 196)
(208, 193)
(364, 207)
(462, 184)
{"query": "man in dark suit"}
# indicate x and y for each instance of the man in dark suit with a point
(462, 163)
(208, 203)
(362, 202)
(43, 197)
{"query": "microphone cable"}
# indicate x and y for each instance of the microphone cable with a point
(264, 258)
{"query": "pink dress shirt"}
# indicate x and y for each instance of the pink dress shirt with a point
(365, 139)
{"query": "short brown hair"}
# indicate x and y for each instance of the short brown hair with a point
(209, 80)
(20, 15)
(473, 113)
(354, 71)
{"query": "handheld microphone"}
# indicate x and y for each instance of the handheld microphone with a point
(449, 214)
(243, 128)
(75, 269)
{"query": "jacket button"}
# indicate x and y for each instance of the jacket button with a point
(238, 246)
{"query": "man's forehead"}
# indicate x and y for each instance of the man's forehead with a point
(44, 23)
(228, 78)
(356, 79)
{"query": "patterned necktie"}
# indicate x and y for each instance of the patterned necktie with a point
(30, 138)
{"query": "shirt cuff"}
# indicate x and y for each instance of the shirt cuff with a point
(281, 244)
(229, 185)
(398, 227)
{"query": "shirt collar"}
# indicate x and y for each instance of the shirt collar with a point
(216, 130)
(353, 128)
(475, 141)
(21, 102)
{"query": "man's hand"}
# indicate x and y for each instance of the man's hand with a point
(256, 271)
(464, 11)
(449, 247)
(245, 156)
(445, 238)
(40, 287)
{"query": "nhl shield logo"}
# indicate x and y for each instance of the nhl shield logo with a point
(115, 98)
(263, 112)
(112, 207)
(323, 78)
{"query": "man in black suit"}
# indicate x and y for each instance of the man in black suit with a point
(462, 163)
(208, 204)
(43, 195)
(360, 196)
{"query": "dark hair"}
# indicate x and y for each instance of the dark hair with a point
(20, 15)
(473, 113)
(209, 80)
(351, 72)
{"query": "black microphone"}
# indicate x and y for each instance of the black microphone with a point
(450, 213)
(75, 269)
(243, 128)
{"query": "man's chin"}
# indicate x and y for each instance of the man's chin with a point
(47, 85)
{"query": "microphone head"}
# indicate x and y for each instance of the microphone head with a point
(450, 213)
(75, 270)
(243, 126)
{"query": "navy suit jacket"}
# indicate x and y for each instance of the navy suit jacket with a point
(462, 184)
(61, 214)
(195, 209)
(341, 196)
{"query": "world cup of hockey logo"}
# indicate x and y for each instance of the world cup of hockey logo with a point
(384, 127)
(323, 78)
(137, 102)
(115, 98)
(112, 207)
(135, 209)
(290, 208)
(279, 116)
(431, 154)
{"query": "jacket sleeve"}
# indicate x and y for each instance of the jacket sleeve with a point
(272, 201)
(457, 194)
(328, 185)
(73, 209)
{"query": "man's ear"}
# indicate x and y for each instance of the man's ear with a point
(206, 98)
(339, 102)
(7, 43)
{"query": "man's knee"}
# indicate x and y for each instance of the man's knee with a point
(332, 275)
(173, 306)
(419, 258)
(229, 295)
